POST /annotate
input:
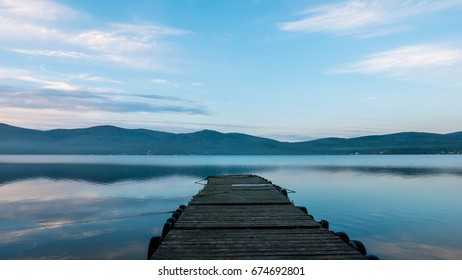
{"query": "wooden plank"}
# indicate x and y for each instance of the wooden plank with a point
(257, 244)
(219, 216)
(236, 179)
(246, 217)
(227, 194)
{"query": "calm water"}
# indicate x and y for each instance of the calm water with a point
(108, 207)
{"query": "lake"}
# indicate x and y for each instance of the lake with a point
(108, 207)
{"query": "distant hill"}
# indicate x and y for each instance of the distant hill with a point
(114, 140)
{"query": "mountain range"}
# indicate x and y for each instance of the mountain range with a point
(105, 140)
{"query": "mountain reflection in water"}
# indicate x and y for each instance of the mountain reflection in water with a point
(402, 207)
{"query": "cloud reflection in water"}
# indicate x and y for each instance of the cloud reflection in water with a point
(110, 211)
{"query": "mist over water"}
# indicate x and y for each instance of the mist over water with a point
(108, 207)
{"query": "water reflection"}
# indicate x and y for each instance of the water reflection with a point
(112, 173)
(109, 210)
(80, 211)
(392, 171)
(118, 239)
(92, 222)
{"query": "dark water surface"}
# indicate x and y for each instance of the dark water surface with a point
(108, 207)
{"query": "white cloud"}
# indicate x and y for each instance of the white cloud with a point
(44, 82)
(59, 98)
(39, 23)
(54, 53)
(432, 63)
(160, 81)
(168, 84)
(59, 85)
(137, 62)
(172, 84)
(405, 59)
(124, 37)
(29, 21)
(92, 78)
(16, 30)
(110, 42)
(363, 17)
(56, 81)
(147, 30)
(38, 9)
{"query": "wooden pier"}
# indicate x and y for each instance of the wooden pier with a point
(247, 217)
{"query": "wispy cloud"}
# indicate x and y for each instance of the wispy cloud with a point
(173, 84)
(26, 21)
(20, 31)
(147, 30)
(134, 44)
(43, 92)
(160, 81)
(87, 101)
(123, 37)
(43, 9)
(405, 60)
(54, 53)
(41, 81)
(93, 78)
(124, 60)
(109, 42)
(363, 17)
(51, 80)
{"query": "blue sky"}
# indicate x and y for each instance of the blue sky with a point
(291, 70)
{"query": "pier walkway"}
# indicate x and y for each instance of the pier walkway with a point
(247, 217)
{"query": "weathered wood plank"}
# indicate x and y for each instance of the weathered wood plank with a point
(235, 245)
(236, 179)
(246, 217)
(225, 194)
(219, 216)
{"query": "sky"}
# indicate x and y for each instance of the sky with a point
(291, 70)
